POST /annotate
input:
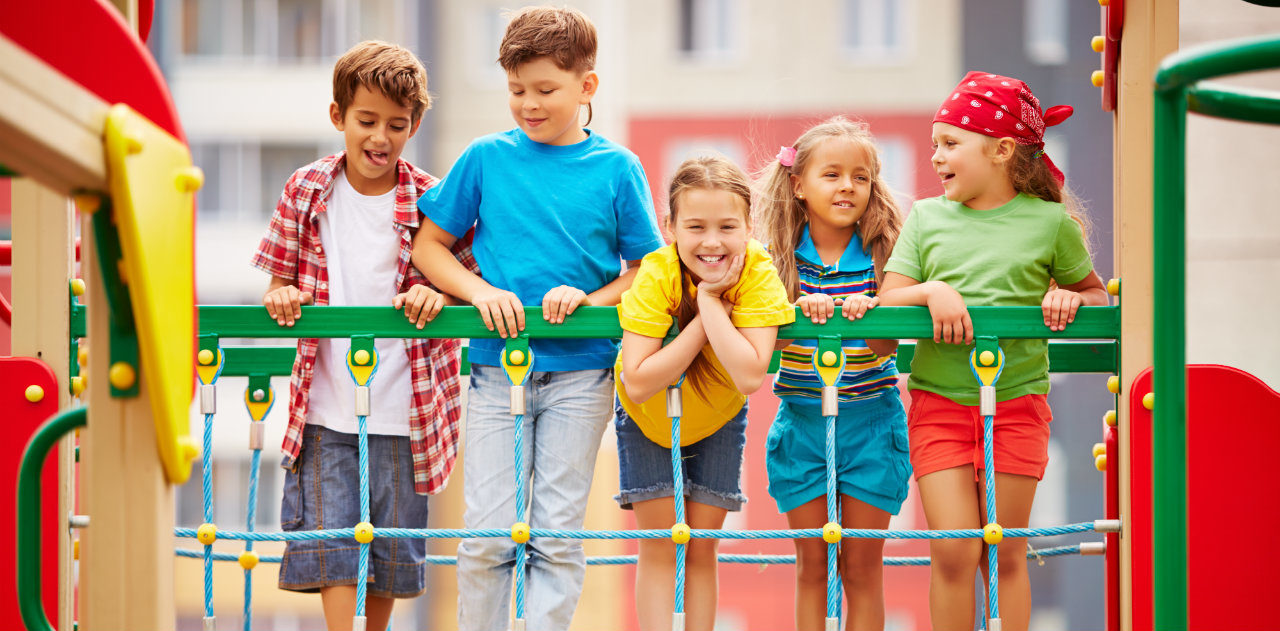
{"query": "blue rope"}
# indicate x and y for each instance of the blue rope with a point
(521, 550)
(206, 488)
(993, 562)
(362, 572)
(833, 516)
(250, 517)
(677, 478)
(630, 559)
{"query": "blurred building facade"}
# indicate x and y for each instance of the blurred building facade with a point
(251, 79)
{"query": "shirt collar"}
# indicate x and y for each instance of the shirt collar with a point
(406, 209)
(854, 258)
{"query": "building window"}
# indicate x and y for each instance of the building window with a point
(897, 168)
(1046, 29)
(299, 29)
(486, 24)
(243, 180)
(709, 28)
(875, 30)
(291, 30)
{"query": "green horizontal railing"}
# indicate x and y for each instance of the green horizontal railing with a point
(1091, 323)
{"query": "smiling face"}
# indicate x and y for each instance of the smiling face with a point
(710, 226)
(972, 166)
(835, 184)
(375, 129)
(545, 100)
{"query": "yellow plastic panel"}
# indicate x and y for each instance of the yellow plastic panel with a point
(152, 185)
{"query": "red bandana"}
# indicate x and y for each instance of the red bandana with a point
(997, 106)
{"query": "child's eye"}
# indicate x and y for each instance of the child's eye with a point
(517, 92)
(545, 92)
(398, 127)
(951, 143)
(829, 174)
(367, 123)
(863, 178)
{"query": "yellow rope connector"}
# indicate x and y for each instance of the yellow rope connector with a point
(364, 532)
(831, 532)
(992, 534)
(1113, 384)
(680, 533)
(516, 358)
(207, 534)
(520, 532)
(361, 357)
(205, 357)
(248, 560)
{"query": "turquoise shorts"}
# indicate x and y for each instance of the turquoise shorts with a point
(872, 461)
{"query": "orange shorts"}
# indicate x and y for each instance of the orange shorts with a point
(945, 434)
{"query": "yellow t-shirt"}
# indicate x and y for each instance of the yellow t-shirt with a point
(649, 307)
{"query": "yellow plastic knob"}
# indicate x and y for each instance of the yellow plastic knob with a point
(248, 560)
(1098, 43)
(77, 385)
(207, 534)
(190, 179)
(520, 532)
(1113, 384)
(361, 357)
(1097, 78)
(829, 358)
(122, 375)
(1100, 462)
(987, 358)
(87, 203)
(1149, 400)
(516, 358)
(1099, 449)
(188, 449)
(364, 532)
(1103, 3)
(1109, 418)
(831, 532)
(77, 286)
(205, 357)
(259, 395)
(34, 393)
(82, 356)
(680, 533)
(992, 534)
(1113, 287)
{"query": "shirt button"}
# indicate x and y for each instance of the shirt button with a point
(324, 285)
(308, 365)
(319, 249)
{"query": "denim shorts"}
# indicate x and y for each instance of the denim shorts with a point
(322, 490)
(872, 461)
(712, 466)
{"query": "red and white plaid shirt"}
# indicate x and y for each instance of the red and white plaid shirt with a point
(292, 250)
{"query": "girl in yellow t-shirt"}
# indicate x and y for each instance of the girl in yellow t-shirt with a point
(720, 286)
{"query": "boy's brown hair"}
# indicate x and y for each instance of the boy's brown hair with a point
(381, 67)
(561, 34)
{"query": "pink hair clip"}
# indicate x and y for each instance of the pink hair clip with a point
(786, 156)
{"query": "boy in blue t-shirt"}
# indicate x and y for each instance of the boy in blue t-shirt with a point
(556, 210)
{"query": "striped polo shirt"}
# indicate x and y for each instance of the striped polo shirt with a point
(866, 375)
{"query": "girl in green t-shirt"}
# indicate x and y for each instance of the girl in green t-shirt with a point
(1003, 234)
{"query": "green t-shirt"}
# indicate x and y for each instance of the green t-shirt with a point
(1004, 256)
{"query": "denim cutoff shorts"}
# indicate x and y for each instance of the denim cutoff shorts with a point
(322, 490)
(712, 466)
(872, 459)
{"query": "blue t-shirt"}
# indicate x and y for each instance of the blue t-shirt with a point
(547, 215)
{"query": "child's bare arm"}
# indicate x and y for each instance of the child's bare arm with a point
(745, 353)
(1060, 304)
(951, 322)
(432, 256)
(611, 294)
(284, 301)
(648, 367)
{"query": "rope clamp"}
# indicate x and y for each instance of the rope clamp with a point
(829, 362)
(517, 361)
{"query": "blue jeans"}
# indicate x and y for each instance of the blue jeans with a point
(565, 416)
(712, 467)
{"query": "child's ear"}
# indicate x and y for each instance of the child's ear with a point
(590, 83)
(413, 129)
(335, 116)
(796, 189)
(1003, 150)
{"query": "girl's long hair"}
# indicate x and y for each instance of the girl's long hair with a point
(781, 216)
(1031, 175)
(715, 173)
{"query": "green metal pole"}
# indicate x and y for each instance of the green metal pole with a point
(28, 540)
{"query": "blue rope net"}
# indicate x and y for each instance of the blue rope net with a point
(834, 596)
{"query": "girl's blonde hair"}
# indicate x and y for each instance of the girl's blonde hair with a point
(715, 173)
(1031, 175)
(781, 217)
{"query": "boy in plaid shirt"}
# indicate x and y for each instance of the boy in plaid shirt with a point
(342, 234)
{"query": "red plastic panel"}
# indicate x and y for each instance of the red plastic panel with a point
(1139, 521)
(22, 417)
(1112, 442)
(89, 42)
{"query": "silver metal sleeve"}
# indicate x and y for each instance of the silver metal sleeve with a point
(256, 433)
(358, 623)
(1106, 525)
(987, 400)
(1093, 547)
(677, 622)
(208, 398)
(362, 401)
(210, 623)
(517, 400)
(675, 402)
(830, 401)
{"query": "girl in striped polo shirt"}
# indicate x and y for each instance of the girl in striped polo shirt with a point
(831, 223)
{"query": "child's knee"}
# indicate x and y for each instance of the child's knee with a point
(955, 558)
(811, 563)
(1012, 555)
